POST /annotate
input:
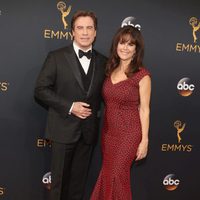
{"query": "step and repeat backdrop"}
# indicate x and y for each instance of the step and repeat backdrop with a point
(171, 29)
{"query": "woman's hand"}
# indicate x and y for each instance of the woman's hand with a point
(142, 150)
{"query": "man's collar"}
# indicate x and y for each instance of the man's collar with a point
(76, 48)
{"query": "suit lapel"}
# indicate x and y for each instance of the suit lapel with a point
(70, 56)
(95, 73)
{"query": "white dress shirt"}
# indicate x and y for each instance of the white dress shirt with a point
(85, 63)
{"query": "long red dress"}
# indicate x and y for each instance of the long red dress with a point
(121, 135)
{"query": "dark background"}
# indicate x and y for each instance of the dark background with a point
(24, 159)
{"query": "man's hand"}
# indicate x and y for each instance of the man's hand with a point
(81, 110)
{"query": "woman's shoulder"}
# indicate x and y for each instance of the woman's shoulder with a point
(144, 70)
(141, 73)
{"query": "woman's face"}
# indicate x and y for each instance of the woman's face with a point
(126, 50)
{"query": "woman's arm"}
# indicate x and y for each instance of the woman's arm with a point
(144, 111)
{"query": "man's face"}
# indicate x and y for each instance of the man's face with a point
(84, 32)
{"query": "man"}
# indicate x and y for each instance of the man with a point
(70, 85)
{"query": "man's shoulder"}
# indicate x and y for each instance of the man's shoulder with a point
(100, 55)
(61, 50)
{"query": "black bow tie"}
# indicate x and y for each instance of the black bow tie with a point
(88, 54)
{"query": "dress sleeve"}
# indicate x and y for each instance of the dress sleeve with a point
(142, 73)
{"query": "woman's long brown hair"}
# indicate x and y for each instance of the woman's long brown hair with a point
(123, 35)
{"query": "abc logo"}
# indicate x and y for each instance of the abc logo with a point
(46, 180)
(184, 87)
(171, 182)
(130, 21)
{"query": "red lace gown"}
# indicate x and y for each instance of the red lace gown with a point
(121, 135)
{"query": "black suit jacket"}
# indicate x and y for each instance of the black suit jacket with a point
(59, 84)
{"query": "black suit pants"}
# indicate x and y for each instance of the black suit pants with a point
(69, 169)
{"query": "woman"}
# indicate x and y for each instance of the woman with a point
(126, 93)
